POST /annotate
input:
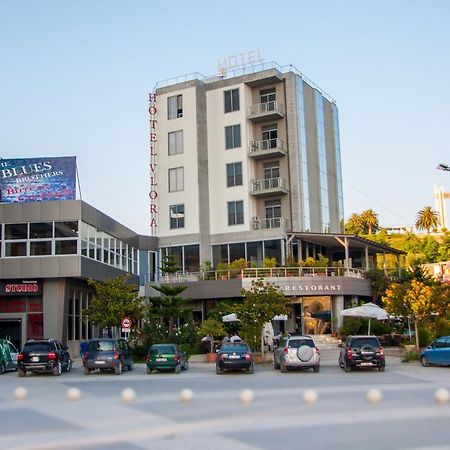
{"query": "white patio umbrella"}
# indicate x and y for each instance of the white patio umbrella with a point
(369, 310)
(230, 318)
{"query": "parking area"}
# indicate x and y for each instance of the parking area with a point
(234, 410)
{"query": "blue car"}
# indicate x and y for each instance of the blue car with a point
(437, 353)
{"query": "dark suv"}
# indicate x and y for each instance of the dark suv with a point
(108, 354)
(361, 351)
(46, 355)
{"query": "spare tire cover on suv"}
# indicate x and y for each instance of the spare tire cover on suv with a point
(367, 352)
(305, 353)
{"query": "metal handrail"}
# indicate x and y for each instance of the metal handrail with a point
(267, 107)
(267, 144)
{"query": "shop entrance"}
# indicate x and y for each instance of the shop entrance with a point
(317, 315)
(11, 329)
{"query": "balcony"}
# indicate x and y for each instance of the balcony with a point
(274, 223)
(269, 186)
(266, 111)
(267, 149)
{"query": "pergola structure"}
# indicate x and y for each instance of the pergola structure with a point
(338, 243)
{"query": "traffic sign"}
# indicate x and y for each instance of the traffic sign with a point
(126, 324)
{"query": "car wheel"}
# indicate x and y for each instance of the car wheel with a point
(118, 369)
(276, 366)
(21, 372)
(177, 369)
(87, 371)
(149, 371)
(219, 371)
(2, 368)
(283, 368)
(57, 370)
(381, 368)
(316, 368)
(424, 361)
(251, 369)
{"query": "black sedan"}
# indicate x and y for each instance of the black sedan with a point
(234, 356)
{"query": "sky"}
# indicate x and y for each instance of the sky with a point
(75, 78)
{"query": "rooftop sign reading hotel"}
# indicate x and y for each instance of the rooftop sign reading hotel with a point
(37, 179)
(153, 163)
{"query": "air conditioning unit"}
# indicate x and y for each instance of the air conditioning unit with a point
(255, 218)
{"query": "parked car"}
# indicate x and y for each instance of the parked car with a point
(361, 352)
(8, 356)
(107, 354)
(44, 355)
(437, 353)
(166, 357)
(296, 352)
(234, 356)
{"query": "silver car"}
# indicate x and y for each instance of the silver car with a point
(296, 352)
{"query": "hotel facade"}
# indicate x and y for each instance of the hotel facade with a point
(248, 166)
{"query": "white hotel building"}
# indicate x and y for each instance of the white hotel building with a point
(249, 166)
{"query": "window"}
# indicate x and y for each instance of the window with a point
(231, 100)
(269, 135)
(273, 213)
(68, 247)
(16, 231)
(234, 174)
(232, 136)
(235, 213)
(176, 216)
(66, 229)
(175, 107)
(176, 179)
(268, 95)
(41, 230)
(38, 248)
(175, 142)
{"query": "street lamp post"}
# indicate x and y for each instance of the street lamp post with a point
(443, 167)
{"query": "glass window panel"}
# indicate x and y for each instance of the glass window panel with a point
(41, 230)
(66, 247)
(176, 216)
(13, 305)
(16, 231)
(15, 249)
(191, 258)
(38, 248)
(174, 107)
(237, 251)
(232, 136)
(34, 304)
(175, 142)
(176, 179)
(66, 229)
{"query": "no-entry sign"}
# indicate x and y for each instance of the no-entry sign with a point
(126, 324)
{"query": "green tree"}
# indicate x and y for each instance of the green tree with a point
(113, 300)
(354, 224)
(369, 220)
(427, 219)
(260, 304)
(379, 282)
(169, 307)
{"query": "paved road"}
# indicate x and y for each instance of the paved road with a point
(342, 418)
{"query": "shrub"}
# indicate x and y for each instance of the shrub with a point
(351, 325)
(425, 336)
(411, 355)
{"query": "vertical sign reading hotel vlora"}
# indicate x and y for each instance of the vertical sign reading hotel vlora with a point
(153, 163)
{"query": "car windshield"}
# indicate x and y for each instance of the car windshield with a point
(163, 350)
(101, 346)
(37, 347)
(235, 348)
(296, 343)
(362, 342)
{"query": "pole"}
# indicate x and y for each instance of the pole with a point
(368, 329)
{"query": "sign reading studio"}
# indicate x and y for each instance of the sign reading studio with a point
(20, 287)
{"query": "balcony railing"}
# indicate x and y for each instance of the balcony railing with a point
(269, 224)
(263, 272)
(268, 186)
(267, 148)
(266, 111)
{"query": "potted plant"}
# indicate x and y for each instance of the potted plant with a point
(213, 329)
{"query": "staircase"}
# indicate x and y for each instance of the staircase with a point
(325, 341)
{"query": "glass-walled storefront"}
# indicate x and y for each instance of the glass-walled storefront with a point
(254, 252)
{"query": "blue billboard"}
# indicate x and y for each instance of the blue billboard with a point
(37, 179)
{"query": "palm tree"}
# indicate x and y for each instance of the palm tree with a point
(427, 218)
(354, 224)
(370, 220)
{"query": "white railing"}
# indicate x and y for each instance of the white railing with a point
(263, 272)
(263, 184)
(268, 144)
(264, 108)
